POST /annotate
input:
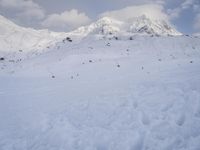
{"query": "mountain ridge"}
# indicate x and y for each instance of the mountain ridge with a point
(14, 37)
(141, 25)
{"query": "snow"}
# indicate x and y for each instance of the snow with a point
(14, 37)
(101, 94)
(141, 25)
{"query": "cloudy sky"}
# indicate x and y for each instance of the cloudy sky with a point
(65, 15)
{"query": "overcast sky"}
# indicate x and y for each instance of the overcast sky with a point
(65, 15)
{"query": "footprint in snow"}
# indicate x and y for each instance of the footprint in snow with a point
(167, 107)
(135, 104)
(180, 120)
(145, 119)
(197, 112)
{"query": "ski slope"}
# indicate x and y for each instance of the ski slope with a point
(141, 94)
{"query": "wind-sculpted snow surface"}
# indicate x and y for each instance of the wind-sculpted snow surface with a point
(140, 94)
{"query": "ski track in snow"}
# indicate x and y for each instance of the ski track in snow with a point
(151, 101)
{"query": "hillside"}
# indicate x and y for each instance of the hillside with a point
(91, 91)
(14, 37)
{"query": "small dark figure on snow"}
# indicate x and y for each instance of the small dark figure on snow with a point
(68, 39)
(2, 58)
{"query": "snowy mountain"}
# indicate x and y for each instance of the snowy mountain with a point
(104, 26)
(196, 34)
(145, 25)
(14, 37)
(141, 25)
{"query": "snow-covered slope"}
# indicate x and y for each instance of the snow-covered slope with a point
(104, 26)
(145, 25)
(102, 94)
(136, 26)
(140, 94)
(14, 37)
(196, 34)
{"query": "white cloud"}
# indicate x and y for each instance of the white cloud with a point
(196, 7)
(174, 13)
(153, 11)
(197, 22)
(23, 8)
(186, 4)
(67, 20)
(31, 13)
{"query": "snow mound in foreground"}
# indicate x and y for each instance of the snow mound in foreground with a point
(142, 94)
